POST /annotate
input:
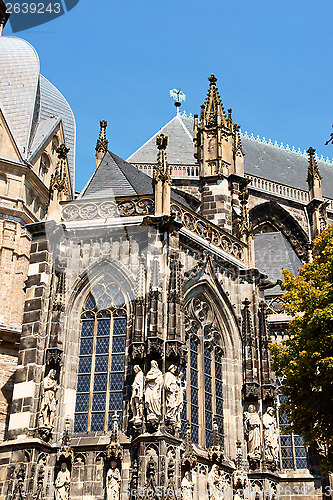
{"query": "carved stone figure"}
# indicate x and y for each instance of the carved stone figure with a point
(271, 435)
(113, 481)
(153, 388)
(49, 403)
(215, 483)
(62, 483)
(173, 395)
(137, 396)
(252, 431)
(187, 486)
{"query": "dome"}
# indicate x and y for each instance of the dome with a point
(32, 106)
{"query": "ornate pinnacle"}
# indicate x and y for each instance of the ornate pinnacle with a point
(62, 152)
(161, 142)
(114, 450)
(188, 459)
(216, 451)
(313, 170)
(102, 143)
(212, 79)
(161, 170)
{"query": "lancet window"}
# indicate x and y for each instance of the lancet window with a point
(293, 452)
(101, 359)
(205, 374)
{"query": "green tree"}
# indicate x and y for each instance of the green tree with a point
(305, 360)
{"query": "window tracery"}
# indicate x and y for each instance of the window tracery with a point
(101, 359)
(205, 388)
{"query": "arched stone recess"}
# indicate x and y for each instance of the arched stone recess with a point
(278, 218)
(222, 324)
(105, 271)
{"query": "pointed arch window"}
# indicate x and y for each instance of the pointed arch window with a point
(101, 359)
(205, 371)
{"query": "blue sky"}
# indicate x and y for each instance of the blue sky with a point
(117, 60)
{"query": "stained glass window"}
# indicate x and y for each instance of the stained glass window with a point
(208, 395)
(219, 392)
(101, 360)
(293, 452)
(194, 390)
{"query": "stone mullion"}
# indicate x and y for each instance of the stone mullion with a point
(213, 382)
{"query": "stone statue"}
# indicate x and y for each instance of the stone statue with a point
(49, 403)
(137, 396)
(153, 388)
(187, 486)
(215, 483)
(271, 435)
(252, 431)
(173, 396)
(62, 483)
(113, 481)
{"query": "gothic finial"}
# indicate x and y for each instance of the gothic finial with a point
(212, 79)
(114, 450)
(313, 170)
(188, 459)
(62, 152)
(115, 428)
(102, 143)
(161, 142)
(216, 452)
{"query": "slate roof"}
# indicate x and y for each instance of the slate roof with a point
(29, 101)
(272, 254)
(180, 144)
(286, 167)
(115, 177)
(263, 160)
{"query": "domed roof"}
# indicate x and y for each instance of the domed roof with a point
(19, 63)
(32, 106)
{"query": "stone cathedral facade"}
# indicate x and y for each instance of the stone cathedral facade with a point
(136, 316)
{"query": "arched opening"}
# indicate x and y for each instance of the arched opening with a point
(101, 367)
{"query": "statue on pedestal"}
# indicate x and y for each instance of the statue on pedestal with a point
(173, 396)
(113, 482)
(62, 483)
(215, 483)
(187, 486)
(49, 403)
(153, 389)
(271, 436)
(252, 431)
(137, 396)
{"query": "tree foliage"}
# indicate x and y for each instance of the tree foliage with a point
(305, 360)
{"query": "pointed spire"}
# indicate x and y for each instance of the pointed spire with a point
(314, 177)
(115, 429)
(161, 178)
(102, 143)
(59, 297)
(213, 108)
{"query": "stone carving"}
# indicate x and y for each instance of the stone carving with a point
(173, 396)
(153, 389)
(271, 436)
(137, 396)
(62, 483)
(215, 482)
(113, 480)
(187, 486)
(107, 209)
(252, 431)
(49, 403)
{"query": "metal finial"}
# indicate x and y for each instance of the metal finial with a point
(178, 96)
